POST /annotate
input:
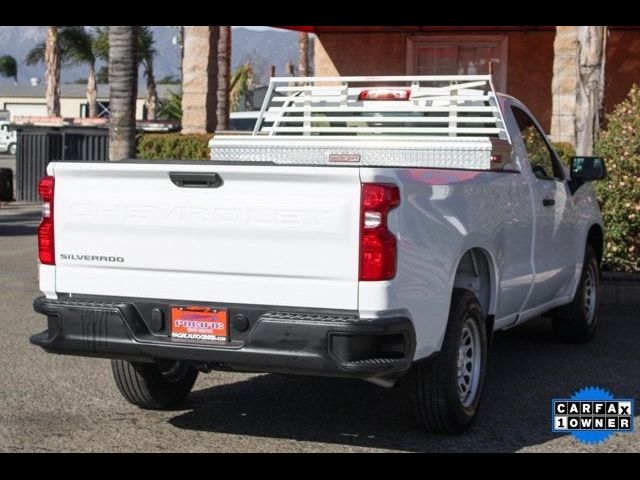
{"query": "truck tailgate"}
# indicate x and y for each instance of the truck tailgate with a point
(269, 235)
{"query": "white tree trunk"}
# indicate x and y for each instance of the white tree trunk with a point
(224, 77)
(303, 54)
(151, 98)
(590, 89)
(52, 65)
(92, 92)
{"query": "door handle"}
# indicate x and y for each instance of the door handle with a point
(548, 202)
(195, 180)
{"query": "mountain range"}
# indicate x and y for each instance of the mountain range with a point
(263, 47)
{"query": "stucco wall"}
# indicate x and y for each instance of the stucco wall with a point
(360, 54)
(530, 70)
(622, 67)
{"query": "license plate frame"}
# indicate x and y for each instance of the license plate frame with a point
(199, 323)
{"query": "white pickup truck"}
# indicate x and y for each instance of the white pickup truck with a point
(379, 228)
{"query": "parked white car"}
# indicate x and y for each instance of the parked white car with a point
(364, 230)
(8, 139)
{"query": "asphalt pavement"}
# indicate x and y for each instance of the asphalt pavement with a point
(8, 161)
(64, 403)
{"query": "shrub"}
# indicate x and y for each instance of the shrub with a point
(565, 151)
(173, 146)
(619, 144)
(172, 108)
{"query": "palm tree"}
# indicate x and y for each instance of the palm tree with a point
(242, 84)
(172, 108)
(9, 67)
(101, 42)
(77, 45)
(52, 63)
(303, 54)
(123, 83)
(146, 53)
(224, 74)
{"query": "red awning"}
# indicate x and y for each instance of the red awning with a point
(300, 29)
(413, 28)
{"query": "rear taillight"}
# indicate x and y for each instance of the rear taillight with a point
(46, 242)
(378, 247)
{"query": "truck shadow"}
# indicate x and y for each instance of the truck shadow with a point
(528, 368)
(20, 224)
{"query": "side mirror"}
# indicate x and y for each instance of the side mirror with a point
(587, 169)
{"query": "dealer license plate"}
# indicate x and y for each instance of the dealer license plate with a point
(199, 323)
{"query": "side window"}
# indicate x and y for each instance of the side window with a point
(541, 158)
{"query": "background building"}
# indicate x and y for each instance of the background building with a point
(28, 100)
(521, 59)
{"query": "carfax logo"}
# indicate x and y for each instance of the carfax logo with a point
(592, 415)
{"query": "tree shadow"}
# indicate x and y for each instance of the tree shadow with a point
(528, 368)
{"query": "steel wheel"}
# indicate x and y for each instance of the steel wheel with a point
(447, 388)
(577, 321)
(469, 362)
(590, 299)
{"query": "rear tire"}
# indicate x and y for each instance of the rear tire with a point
(155, 386)
(446, 389)
(577, 322)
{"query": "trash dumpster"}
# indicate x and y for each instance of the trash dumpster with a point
(39, 144)
(6, 185)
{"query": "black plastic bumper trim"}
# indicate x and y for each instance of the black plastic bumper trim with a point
(278, 340)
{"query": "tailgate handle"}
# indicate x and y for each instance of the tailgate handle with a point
(195, 180)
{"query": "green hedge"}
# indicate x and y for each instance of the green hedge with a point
(619, 144)
(565, 151)
(173, 146)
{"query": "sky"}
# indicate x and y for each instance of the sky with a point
(267, 45)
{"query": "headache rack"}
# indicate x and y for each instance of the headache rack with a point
(432, 105)
(429, 121)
